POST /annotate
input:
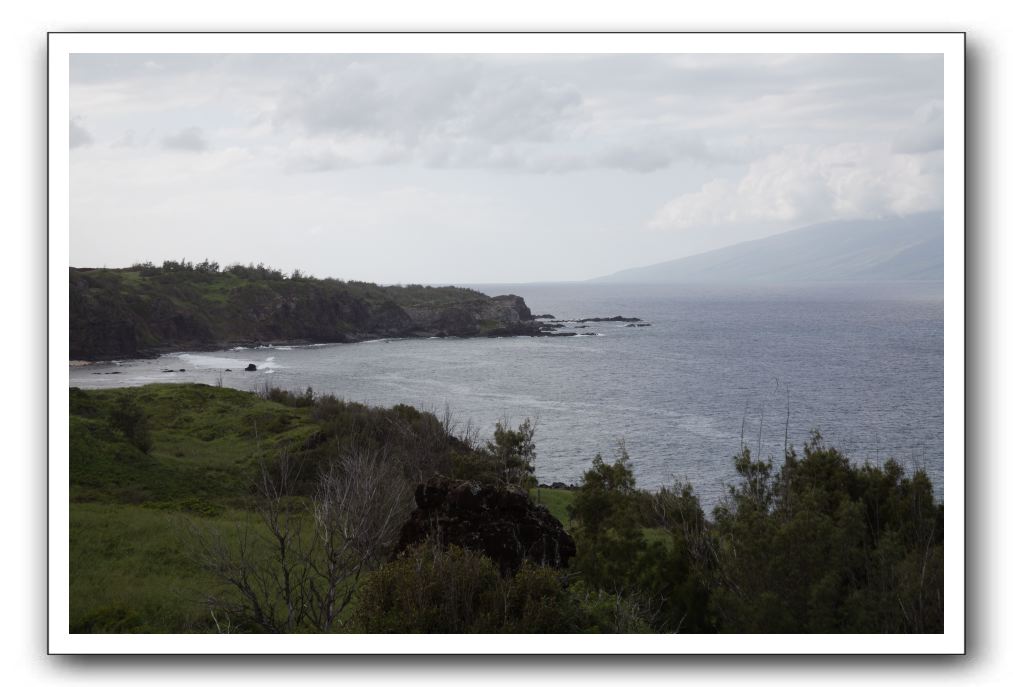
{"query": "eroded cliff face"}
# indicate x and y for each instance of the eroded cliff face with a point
(474, 317)
(123, 314)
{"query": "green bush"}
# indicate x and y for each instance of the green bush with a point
(513, 451)
(614, 556)
(129, 418)
(432, 590)
(821, 545)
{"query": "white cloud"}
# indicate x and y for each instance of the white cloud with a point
(802, 184)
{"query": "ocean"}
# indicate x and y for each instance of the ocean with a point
(717, 367)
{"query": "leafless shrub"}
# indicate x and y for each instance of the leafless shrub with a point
(297, 570)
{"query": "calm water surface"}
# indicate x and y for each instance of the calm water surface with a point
(864, 365)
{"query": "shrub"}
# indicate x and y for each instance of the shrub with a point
(455, 590)
(821, 545)
(613, 555)
(429, 589)
(513, 450)
(127, 417)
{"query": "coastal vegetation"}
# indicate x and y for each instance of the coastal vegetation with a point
(205, 509)
(144, 309)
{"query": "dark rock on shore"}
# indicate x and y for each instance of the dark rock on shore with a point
(543, 317)
(616, 318)
(499, 522)
(641, 324)
(251, 368)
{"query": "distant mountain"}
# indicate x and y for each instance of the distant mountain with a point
(893, 249)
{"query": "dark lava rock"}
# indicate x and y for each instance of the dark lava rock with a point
(251, 368)
(228, 370)
(617, 318)
(636, 324)
(516, 329)
(499, 522)
(546, 316)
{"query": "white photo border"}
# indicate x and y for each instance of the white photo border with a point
(950, 45)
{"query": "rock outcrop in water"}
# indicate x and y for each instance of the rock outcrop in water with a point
(136, 312)
(499, 522)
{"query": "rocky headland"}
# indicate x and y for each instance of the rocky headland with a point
(131, 313)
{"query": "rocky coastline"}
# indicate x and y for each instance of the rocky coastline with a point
(118, 314)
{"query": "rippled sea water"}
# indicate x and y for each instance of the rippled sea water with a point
(863, 364)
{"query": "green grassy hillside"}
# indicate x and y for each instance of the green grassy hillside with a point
(152, 466)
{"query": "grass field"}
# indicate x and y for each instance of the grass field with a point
(557, 501)
(133, 567)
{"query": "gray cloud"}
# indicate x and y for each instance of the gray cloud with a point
(925, 132)
(635, 113)
(437, 112)
(528, 113)
(608, 159)
(190, 139)
(79, 136)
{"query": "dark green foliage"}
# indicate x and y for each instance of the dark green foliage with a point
(613, 554)
(601, 612)
(455, 590)
(130, 419)
(429, 589)
(513, 450)
(822, 545)
(608, 534)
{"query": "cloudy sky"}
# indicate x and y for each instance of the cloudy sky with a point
(487, 168)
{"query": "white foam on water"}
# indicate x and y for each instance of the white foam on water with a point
(216, 362)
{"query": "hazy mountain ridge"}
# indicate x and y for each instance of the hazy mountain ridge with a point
(906, 248)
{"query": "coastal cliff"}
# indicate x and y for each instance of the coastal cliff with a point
(127, 313)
